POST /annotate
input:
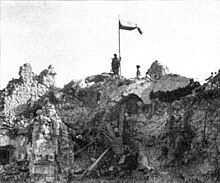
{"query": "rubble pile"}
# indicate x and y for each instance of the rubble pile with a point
(109, 129)
(156, 70)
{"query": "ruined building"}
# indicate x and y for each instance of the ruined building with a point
(107, 129)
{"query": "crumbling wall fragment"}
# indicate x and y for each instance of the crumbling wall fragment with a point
(49, 157)
(20, 94)
(157, 70)
(46, 77)
(159, 139)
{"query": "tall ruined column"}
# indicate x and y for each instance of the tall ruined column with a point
(49, 146)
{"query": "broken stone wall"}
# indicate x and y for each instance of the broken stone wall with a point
(20, 94)
(48, 153)
(13, 150)
(157, 124)
(157, 70)
(183, 134)
(160, 131)
(25, 140)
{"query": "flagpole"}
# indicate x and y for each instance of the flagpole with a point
(119, 42)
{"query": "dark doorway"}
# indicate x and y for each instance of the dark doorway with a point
(4, 156)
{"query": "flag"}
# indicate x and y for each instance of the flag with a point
(125, 25)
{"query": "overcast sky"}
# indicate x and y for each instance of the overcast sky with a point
(79, 38)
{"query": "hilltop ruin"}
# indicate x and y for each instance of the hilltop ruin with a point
(109, 129)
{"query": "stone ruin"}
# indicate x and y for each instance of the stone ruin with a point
(156, 70)
(107, 129)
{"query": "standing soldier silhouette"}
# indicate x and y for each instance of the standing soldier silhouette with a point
(116, 64)
(138, 72)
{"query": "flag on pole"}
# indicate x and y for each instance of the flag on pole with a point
(125, 25)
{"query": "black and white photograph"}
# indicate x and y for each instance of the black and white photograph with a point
(110, 91)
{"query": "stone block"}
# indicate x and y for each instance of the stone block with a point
(4, 140)
(50, 179)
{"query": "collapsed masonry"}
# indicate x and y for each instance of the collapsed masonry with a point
(162, 130)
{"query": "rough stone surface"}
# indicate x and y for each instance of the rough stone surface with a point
(21, 93)
(159, 131)
(157, 70)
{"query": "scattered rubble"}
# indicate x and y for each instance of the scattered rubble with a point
(109, 129)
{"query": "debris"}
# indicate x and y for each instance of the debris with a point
(155, 129)
(91, 167)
